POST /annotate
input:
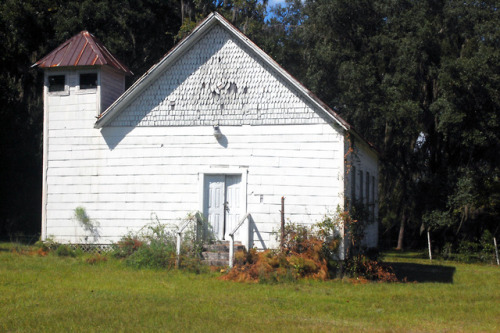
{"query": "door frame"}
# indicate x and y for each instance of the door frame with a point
(242, 172)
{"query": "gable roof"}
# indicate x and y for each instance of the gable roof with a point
(185, 44)
(214, 18)
(83, 49)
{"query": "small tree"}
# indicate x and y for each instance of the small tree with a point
(89, 225)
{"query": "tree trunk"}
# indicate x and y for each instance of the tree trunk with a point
(182, 11)
(401, 232)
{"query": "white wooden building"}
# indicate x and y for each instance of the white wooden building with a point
(155, 149)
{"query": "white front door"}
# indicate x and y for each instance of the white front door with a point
(222, 197)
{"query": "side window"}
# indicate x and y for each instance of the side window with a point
(373, 198)
(353, 184)
(367, 189)
(57, 83)
(88, 81)
(361, 198)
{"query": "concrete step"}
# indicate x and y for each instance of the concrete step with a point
(217, 254)
(222, 246)
(216, 263)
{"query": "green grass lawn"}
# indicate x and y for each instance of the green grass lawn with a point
(67, 294)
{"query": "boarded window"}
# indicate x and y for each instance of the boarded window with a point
(353, 184)
(367, 188)
(88, 81)
(57, 83)
(361, 187)
(373, 198)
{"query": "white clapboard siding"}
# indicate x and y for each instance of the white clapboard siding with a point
(115, 182)
(112, 86)
(364, 160)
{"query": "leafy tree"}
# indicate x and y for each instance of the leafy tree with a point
(247, 15)
(420, 80)
(138, 31)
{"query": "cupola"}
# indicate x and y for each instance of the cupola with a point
(83, 65)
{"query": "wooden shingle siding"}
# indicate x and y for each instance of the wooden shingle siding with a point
(217, 82)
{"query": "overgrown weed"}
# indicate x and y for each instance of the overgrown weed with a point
(311, 252)
(154, 246)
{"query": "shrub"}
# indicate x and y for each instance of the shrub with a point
(154, 246)
(481, 250)
(364, 267)
(265, 267)
(47, 245)
(192, 264)
(446, 251)
(308, 253)
(154, 255)
(126, 246)
(156, 251)
(96, 259)
(304, 255)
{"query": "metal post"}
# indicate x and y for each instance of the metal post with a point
(429, 244)
(231, 251)
(282, 241)
(178, 250)
(496, 250)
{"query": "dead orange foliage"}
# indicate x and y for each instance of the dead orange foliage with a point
(301, 258)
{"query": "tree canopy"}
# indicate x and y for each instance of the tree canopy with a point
(420, 79)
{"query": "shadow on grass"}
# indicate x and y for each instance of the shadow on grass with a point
(423, 273)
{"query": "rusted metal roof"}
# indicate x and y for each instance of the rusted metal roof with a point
(83, 49)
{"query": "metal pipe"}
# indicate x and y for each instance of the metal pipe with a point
(231, 241)
(429, 244)
(282, 240)
(231, 251)
(496, 249)
(178, 250)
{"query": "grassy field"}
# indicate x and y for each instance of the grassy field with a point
(51, 293)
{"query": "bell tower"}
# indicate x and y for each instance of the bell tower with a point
(83, 66)
(81, 80)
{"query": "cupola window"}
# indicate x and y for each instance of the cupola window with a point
(88, 81)
(57, 83)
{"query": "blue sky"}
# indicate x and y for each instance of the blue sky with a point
(274, 2)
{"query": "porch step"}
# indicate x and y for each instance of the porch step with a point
(217, 254)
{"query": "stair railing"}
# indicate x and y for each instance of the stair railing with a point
(196, 218)
(231, 241)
